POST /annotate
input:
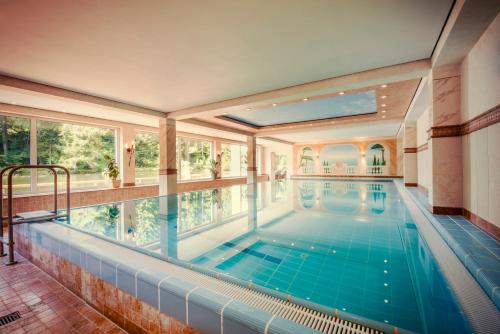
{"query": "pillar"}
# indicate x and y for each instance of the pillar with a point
(251, 159)
(445, 142)
(168, 162)
(410, 171)
(127, 156)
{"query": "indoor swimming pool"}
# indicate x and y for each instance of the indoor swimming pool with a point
(329, 245)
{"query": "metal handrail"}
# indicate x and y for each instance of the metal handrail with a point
(10, 218)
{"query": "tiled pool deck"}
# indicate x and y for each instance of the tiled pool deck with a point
(44, 304)
(477, 250)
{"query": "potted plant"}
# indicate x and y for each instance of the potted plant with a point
(214, 166)
(112, 171)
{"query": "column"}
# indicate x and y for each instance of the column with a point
(410, 171)
(445, 142)
(168, 163)
(251, 159)
(127, 156)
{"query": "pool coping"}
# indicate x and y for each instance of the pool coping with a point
(480, 310)
(272, 314)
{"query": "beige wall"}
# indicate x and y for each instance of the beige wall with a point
(424, 177)
(481, 149)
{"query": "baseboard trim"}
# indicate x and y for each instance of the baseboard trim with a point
(446, 210)
(482, 223)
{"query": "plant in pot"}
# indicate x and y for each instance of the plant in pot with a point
(112, 171)
(215, 166)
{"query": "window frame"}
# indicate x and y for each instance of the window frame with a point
(34, 147)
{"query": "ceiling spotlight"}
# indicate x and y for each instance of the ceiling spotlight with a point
(383, 116)
(13, 103)
(384, 105)
(383, 111)
(225, 113)
(274, 104)
(305, 99)
(383, 96)
(383, 86)
(341, 93)
(248, 109)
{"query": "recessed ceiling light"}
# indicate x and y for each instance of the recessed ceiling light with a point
(274, 104)
(305, 99)
(383, 86)
(383, 116)
(13, 102)
(333, 122)
(383, 105)
(248, 109)
(341, 93)
(383, 96)
(383, 111)
(225, 113)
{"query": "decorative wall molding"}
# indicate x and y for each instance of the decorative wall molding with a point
(168, 171)
(423, 147)
(410, 150)
(411, 184)
(482, 121)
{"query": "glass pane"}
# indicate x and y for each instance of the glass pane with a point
(194, 158)
(147, 158)
(15, 150)
(79, 148)
(243, 157)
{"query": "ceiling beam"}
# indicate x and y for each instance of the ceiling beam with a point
(400, 72)
(30, 87)
(217, 127)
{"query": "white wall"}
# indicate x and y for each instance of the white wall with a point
(481, 74)
(481, 149)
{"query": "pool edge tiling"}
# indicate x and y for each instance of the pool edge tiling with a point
(124, 291)
(481, 312)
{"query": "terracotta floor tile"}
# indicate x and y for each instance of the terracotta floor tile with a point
(45, 305)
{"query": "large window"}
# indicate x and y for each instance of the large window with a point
(15, 149)
(234, 160)
(147, 158)
(80, 148)
(193, 159)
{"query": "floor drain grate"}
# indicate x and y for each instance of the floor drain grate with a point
(7, 319)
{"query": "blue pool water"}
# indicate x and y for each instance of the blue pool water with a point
(346, 245)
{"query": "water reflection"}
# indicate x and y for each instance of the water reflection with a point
(339, 244)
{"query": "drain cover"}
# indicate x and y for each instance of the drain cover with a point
(6, 319)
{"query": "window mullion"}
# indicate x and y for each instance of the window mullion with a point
(33, 155)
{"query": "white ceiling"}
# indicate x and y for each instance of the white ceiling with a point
(353, 131)
(168, 55)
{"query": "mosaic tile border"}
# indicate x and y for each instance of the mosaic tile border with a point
(143, 300)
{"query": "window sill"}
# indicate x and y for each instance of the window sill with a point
(80, 191)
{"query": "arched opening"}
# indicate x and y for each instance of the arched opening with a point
(377, 159)
(339, 159)
(306, 160)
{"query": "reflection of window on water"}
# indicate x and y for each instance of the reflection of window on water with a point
(196, 209)
(146, 223)
(281, 190)
(306, 193)
(234, 200)
(375, 186)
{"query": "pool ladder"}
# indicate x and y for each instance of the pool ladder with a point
(27, 217)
